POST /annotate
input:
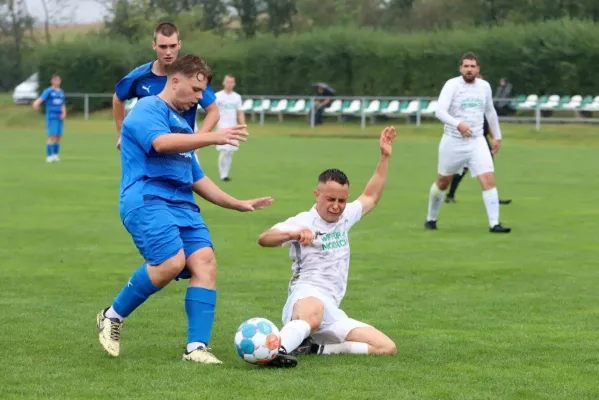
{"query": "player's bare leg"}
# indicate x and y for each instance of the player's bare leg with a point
(307, 316)
(491, 200)
(435, 200)
(146, 281)
(364, 340)
(200, 301)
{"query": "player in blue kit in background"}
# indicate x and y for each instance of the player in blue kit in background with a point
(149, 80)
(157, 207)
(56, 111)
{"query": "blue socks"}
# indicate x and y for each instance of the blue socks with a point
(199, 306)
(52, 149)
(135, 292)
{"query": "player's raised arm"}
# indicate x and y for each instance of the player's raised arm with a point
(374, 189)
(118, 112)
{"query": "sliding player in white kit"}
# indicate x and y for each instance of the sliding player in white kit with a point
(463, 103)
(231, 113)
(318, 244)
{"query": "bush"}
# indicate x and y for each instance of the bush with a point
(558, 56)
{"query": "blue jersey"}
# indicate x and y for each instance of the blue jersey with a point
(149, 177)
(142, 82)
(54, 100)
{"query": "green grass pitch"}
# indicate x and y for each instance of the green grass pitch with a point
(474, 315)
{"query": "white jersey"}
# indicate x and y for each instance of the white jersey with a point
(469, 103)
(325, 263)
(228, 104)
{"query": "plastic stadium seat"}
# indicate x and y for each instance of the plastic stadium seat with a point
(594, 106)
(373, 107)
(573, 103)
(334, 108)
(280, 106)
(412, 108)
(551, 103)
(519, 100)
(430, 109)
(354, 107)
(530, 102)
(392, 108)
(298, 108)
(247, 105)
(264, 105)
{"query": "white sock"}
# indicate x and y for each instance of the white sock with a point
(110, 313)
(435, 199)
(345, 348)
(293, 334)
(227, 162)
(491, 199)
(194, 346)
(221, 164)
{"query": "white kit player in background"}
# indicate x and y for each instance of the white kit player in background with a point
(231, 113)
(463, 103)
(318, 244)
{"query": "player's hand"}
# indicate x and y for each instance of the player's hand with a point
(36, 106)
(118, 143)
(255, 204)
(231, 135)
(464, 130)
(63, 116)
(495, 145)
(386, 140)
(304, 236)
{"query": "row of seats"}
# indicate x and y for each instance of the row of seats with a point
(556, 102)
(341, 107)
(405, 107)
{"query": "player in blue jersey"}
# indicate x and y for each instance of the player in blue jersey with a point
(56, 111)
(149, 80)
(157, 207)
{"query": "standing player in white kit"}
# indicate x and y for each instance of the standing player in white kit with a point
(463, 103)
(231, 113)
(318, 244)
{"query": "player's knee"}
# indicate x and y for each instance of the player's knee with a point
(203, 267)
(164, 273)
(487, 180)
(443, 182)
(310, 310)
(386, 347)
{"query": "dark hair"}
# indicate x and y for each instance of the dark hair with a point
(166, 29)
(334, 175)
(469, 56)
(190, 65)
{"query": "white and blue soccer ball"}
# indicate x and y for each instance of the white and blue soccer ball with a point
(257, 341)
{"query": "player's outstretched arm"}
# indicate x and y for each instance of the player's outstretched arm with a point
(374, 189)
(208, 190)
(492, 118)
(182, 143)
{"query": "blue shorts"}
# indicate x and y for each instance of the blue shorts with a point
(54, 127)
(159, 231)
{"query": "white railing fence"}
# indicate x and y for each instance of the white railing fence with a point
(359, 108)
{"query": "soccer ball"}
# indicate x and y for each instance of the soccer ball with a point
(257, 341)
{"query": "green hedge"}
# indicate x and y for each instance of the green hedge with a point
(558, 57)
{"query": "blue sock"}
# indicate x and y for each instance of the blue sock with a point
(49, 149)
(199, 306)
(56, 148)
(135, 292)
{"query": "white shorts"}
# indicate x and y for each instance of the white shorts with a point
(226, 147)
(335, 326)
(455, 154)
